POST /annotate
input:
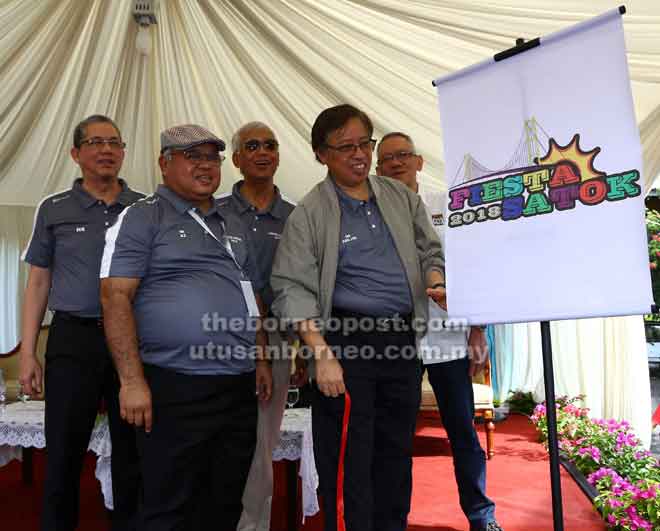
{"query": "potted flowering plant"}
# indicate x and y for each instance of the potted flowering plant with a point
(607, 452)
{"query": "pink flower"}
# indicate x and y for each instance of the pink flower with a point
(592, 451)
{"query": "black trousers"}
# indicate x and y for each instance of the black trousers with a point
(196, 459)
(79, 372)
(385, 396)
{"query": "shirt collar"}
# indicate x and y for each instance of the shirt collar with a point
(87, 200)
(276, 208)
(346, 201)
(126, 196)
(180, 204)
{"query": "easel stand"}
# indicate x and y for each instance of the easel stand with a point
(551, 416)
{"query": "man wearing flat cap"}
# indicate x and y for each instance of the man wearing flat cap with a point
(182, 323)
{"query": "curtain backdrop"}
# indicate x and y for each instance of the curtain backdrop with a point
(605, 359)
(15, 230)
(223, 63)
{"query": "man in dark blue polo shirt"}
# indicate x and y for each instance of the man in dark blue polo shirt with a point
(263, 211)
(64, 254)
(182, 326)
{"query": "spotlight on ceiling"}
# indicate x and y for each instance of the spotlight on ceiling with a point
(144, 14)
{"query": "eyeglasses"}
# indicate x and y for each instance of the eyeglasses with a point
(366, 146)
(98, 142)
(197, 157)
(401, 156)
(254, 145)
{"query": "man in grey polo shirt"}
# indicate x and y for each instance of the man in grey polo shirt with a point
(445, 352)
(176, 274)
(64, 254)
(263, 210)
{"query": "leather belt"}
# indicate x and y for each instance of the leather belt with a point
(385, 323)
(85, 321)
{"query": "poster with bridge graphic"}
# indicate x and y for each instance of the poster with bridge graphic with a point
(543, 167)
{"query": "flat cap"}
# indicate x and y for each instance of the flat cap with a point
(186, 136)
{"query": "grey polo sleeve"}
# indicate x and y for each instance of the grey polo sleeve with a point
(429, 248)
(128, 243)
(41, 247)
(295, 274)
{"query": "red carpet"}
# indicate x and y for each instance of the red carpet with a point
(518, 482)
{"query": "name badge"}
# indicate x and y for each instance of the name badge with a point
(248, 295)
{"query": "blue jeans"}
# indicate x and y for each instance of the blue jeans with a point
(452, 387)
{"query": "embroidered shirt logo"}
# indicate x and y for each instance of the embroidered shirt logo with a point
(348, 238)
(182, 233)
(80, 229)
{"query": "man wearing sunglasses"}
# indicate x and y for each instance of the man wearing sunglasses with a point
(263, 210)
(64, 254)
(176, 274)
(445, 352)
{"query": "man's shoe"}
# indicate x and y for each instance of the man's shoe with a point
(490, 526)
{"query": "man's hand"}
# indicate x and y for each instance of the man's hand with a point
(264, 380)
(30, 374)
(135, 404)
(477, 349)
(330, 377)
(329, 374)
(439, 295)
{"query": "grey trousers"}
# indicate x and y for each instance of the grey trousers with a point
(258, 493)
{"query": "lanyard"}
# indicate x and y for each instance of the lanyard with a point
(226, 244)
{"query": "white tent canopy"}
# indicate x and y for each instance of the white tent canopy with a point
(224, 63)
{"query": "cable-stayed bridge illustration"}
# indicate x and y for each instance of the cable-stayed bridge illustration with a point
(526, 154)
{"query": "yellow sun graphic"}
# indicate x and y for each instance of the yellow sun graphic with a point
(583, 161)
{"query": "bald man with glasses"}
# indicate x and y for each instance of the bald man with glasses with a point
(450, 357)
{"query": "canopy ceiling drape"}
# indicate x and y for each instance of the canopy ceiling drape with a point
(222, 63)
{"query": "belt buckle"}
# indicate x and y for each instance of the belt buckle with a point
(382, 322)
(389, 321)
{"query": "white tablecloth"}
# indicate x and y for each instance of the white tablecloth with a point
(22, 426)
(296, 443)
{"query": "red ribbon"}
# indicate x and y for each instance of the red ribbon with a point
(341, 524)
